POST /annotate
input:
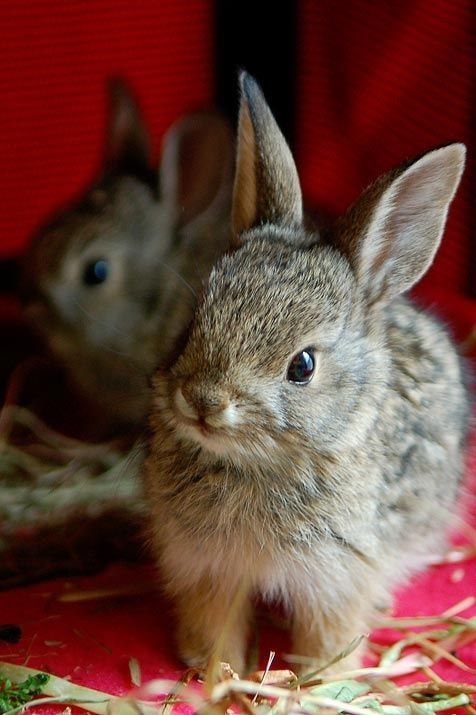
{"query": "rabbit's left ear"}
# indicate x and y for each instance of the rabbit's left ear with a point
(267, 188)
(196, 166)
(391, 234)
(127, 141)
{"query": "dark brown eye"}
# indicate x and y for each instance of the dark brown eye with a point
(302, 367)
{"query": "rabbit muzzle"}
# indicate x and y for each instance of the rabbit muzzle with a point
(205, 406)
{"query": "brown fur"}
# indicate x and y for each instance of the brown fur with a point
(111, 336)
(323, 495)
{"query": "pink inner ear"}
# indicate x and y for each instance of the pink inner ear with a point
(405, 222)
(421, 202)
(245, 189)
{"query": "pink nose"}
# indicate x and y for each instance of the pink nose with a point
(205, 398)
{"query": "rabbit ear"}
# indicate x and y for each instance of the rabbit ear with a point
(196, 166)
(391, 234)
(267, 188)
(127, 142)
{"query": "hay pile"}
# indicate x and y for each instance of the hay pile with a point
(66, 506)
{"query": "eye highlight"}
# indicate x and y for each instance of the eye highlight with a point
(302, 367)
(95, 272)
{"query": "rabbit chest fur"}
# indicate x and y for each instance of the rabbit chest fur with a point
(323, 485)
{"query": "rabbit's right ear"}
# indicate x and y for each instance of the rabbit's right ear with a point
(267, 188)
(391, 234)
(127, 141)
(196, 166)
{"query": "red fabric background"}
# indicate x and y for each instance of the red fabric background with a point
(55, 58)
(379, 82)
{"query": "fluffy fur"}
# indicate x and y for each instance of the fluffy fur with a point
(159, 249)
(322, 495)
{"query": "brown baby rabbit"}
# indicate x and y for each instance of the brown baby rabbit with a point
(110, 282)
(307, 444)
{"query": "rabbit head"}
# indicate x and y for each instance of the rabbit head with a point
(285, 354)
(97, 278)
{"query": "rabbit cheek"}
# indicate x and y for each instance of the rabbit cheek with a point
(36, 313)
(44, 321)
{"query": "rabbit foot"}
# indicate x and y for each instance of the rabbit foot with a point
(322, 637)
(207, 630)
(196, 654)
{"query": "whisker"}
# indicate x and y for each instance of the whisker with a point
(97, 321)
(114, 351)
(179, 275)
(131, 465)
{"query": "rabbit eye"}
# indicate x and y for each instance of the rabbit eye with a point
(302, 367)
(95, 272)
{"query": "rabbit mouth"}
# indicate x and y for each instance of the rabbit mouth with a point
(200, 426)
(212, 439)
(217, 440)
(233, 445)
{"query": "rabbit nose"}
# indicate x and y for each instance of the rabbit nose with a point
(200, 400)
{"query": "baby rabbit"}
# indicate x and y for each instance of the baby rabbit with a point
(110, 282)
(307, 444)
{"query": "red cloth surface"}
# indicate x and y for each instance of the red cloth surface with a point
(55, 58)
(379, 82)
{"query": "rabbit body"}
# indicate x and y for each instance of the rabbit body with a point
(110, 282)
(323, 493)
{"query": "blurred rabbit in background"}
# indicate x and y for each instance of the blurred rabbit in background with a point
(109, 283)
